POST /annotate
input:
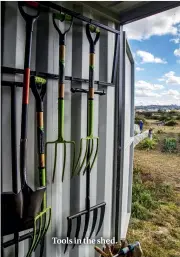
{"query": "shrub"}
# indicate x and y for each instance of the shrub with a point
(170, 144)
(138, 118)
(147, 144)
(178, 117)
(160, 131)
(171, 123)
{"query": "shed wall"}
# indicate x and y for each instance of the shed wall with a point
(68, 197)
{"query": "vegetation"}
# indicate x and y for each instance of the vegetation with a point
(171, 123)
(170, 144)
(147, 144)
(155, 219)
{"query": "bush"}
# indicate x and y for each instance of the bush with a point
(171, 123)
(178, 117)
(160, 131)
(147, 144)
(138, 118)
(170, 144)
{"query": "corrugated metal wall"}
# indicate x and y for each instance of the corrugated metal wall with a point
(68, 197)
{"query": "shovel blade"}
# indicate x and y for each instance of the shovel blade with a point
(12, 212)
(32, 202)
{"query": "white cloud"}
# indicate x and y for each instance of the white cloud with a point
(139, 69)
(175, 40)
(143, 85)
(171, 92)
(177, 52)
(160, 24)
(146, 93)
(149, 58)
(171, 79)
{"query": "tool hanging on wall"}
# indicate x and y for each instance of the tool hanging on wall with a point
(7, 219)
(23, 206)
(60, 140)
(38, 87)
(90, 139)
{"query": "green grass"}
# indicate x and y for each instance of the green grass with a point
(147, 144)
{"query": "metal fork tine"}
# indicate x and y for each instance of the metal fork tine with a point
(64, 162)
(95, 156)
(68, 232)
(86, 225)
(101, 218)
(95, 212)
(33, 240)
(77, 229)
(90, 155)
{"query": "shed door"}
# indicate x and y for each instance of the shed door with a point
(125, 136)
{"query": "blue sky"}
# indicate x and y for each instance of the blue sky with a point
(155, 43)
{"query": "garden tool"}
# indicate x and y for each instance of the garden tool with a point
(19, 208)
(100, 206)
(38, 87)
(32, 200)
(90, 138)
(60, 140)
(129, 249)
(5, 220)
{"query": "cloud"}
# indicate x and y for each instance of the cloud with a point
(171, 92)
(160, 24)
(146, 93)
(175, 40)
(143, 85)
(171, 79)
(139, 69)
(149, 58)
(177, 52)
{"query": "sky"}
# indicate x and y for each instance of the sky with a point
(155, 45)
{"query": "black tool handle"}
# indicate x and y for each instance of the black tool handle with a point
(30, 19)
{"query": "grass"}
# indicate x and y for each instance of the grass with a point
(155, 219)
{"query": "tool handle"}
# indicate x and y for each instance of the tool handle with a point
(62, 17)
(60, 119)
(26, 84)
(31, 4)
(38, 88)
(90, 117)
(100, 251)
(92, 29)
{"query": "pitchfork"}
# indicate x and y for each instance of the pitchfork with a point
(90, 138)
(89, 147)
(60, 140)
(38, 87)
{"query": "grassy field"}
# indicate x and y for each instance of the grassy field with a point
(155, 218)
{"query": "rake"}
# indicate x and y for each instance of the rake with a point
(89, 147)
(38, 87)
(90, 138)
(60, 140)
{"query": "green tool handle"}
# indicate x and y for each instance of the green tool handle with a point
(90, 117)
(60, 119)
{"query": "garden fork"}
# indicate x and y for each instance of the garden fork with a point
(60, 140)
(90, 139)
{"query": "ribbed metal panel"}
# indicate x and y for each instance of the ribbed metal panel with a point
(68, 197)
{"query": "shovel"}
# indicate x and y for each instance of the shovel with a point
(89, 147)
(38, 87)
(61, 140)
(18, 209)
(7, 221)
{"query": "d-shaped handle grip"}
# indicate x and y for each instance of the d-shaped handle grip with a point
(31, 4)
(92, 29)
